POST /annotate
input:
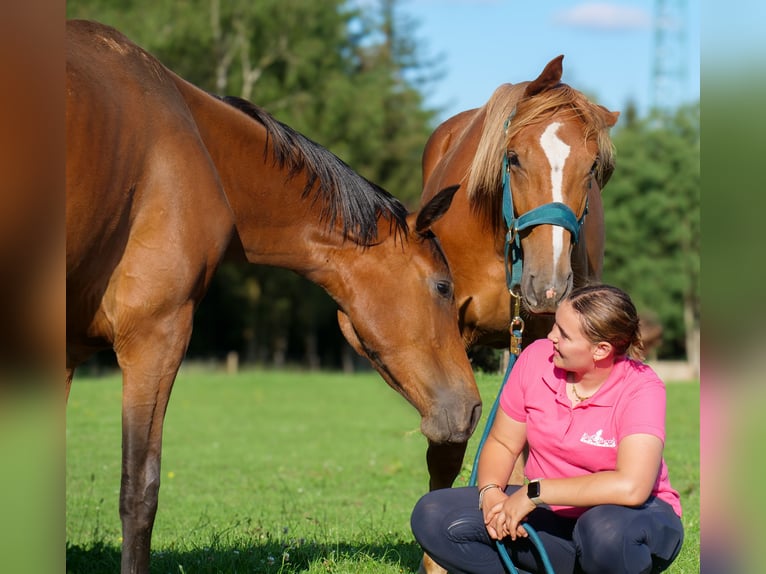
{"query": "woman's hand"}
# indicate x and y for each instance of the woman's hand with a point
(503, 516)
(491, 506)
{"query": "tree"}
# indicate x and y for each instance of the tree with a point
(652, 214)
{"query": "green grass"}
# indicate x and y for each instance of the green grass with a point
(288, 472)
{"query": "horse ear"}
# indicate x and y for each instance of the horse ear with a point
(550, 77)
(610, 117)
(434, 209)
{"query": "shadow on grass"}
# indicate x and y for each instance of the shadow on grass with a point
(268, 557)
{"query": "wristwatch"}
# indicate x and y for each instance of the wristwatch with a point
(533, 492)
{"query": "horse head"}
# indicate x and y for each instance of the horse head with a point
(557, 153)
(414, 342)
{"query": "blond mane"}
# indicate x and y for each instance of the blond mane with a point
(484, 187)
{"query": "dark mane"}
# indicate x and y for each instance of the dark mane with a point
(344, 194)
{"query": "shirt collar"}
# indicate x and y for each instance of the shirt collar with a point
(556, 380)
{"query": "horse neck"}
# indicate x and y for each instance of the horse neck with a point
(275, 224)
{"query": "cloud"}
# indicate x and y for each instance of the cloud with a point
(604, 16)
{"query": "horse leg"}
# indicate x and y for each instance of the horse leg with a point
(428, 566)
(149, 366)
(69, 375)
(444, 463)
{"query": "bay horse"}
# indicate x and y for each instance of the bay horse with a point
(551, 146)
(163, 181)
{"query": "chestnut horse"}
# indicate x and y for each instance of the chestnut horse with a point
(530, 164)
(557, 149)
(163, 180)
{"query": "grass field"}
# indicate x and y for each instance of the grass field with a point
(288, 472)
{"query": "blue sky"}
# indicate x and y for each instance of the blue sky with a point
(608, 47)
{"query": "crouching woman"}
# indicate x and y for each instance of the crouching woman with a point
(598, 495)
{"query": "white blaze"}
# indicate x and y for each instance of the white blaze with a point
(557, 153)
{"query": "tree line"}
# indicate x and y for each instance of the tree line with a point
(352, 77)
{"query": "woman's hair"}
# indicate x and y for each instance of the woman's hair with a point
(607, 314)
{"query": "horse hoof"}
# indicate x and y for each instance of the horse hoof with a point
(428, 566)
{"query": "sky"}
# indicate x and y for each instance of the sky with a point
(608, 48)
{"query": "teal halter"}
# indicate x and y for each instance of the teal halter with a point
(554, 213)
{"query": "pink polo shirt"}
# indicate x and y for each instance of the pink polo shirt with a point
(569, 441)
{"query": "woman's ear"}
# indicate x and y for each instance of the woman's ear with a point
(602, 351)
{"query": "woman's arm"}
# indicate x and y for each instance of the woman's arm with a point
(502, 447)
(638, 461)
(498, 456)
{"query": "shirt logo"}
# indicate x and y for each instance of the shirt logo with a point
(597, 440)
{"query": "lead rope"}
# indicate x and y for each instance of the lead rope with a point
(516, 331)
(512, 275)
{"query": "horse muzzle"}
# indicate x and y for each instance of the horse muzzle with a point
(452, 422)
(543, 297)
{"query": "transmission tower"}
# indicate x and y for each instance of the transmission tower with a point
(670, 61)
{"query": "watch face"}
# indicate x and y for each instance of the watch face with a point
(533, 489)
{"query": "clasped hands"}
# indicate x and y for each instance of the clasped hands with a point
(503, 513)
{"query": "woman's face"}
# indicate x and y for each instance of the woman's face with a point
(572, 349)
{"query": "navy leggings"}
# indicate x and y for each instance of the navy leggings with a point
(607, 539)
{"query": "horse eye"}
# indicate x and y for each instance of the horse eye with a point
(513, 159)
(444, 288)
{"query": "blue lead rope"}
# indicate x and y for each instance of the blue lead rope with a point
(538, 544)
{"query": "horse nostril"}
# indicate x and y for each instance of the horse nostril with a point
(550, 294)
